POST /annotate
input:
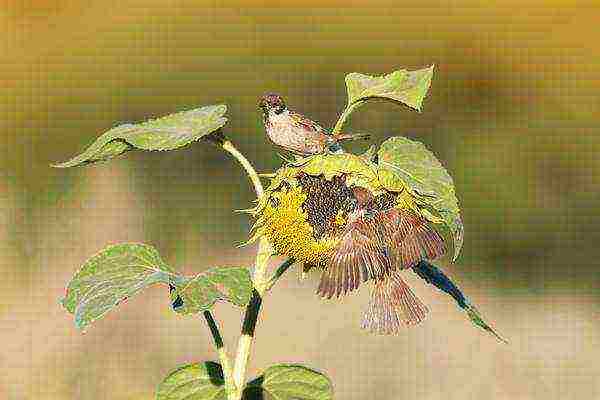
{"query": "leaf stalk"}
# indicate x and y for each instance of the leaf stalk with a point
(252, 174)
(344, 116)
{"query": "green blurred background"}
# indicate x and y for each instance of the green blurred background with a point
(513, 113)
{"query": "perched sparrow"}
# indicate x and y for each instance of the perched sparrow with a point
(296, 133)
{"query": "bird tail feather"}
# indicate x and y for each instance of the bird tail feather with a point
(393, 305)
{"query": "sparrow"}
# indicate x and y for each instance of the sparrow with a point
(296, 133)
(376, 244)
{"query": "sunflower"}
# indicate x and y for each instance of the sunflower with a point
(335, 213)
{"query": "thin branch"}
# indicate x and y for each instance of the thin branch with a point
(214, 329)
(230, 148)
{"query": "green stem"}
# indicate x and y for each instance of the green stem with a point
(345, 114)
(230, 148)
(251, 317)
(222, 352)
(260, 286)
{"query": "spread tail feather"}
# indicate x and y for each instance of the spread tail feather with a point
(393, 304)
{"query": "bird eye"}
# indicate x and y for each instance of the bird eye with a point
(280, 109)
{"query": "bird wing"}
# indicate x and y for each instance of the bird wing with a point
(371, 247)
(408, 237)
(357, 258)
(308, 125)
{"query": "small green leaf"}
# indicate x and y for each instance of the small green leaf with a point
(201, 381)
(111, 276)
(167, 133)
(403, 162)
(293, 382)
(477, 319)
(200, 293)
(407, 87)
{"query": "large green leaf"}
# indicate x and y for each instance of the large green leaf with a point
(407, 87)
(111, 276)
(193, 295)
(404, 162)
(122, 270)
(201, 381)
(167, 133)
(292, 382)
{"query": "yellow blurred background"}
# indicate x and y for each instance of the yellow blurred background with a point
(513, 114)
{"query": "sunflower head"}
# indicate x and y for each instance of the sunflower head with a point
(362, 219)
(309, 203)
(285, 221)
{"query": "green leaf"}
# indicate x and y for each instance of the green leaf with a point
(167, 133)
(407, 87)
(293, 382)
(360, 172)
(200, 381)
(477, 319)
(200, 293)
(111, 276)
(406, 163)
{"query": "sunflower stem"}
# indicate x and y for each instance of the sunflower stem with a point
(251, 316)
(261, 285)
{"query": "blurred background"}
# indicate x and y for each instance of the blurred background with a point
(513, 113)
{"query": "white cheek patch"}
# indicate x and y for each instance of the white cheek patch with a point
(279, 118)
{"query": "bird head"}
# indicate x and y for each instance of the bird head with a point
(272, 102)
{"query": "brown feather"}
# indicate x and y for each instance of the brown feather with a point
(408, 237)
(372, 247)
(358, 257)
(393, 305)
